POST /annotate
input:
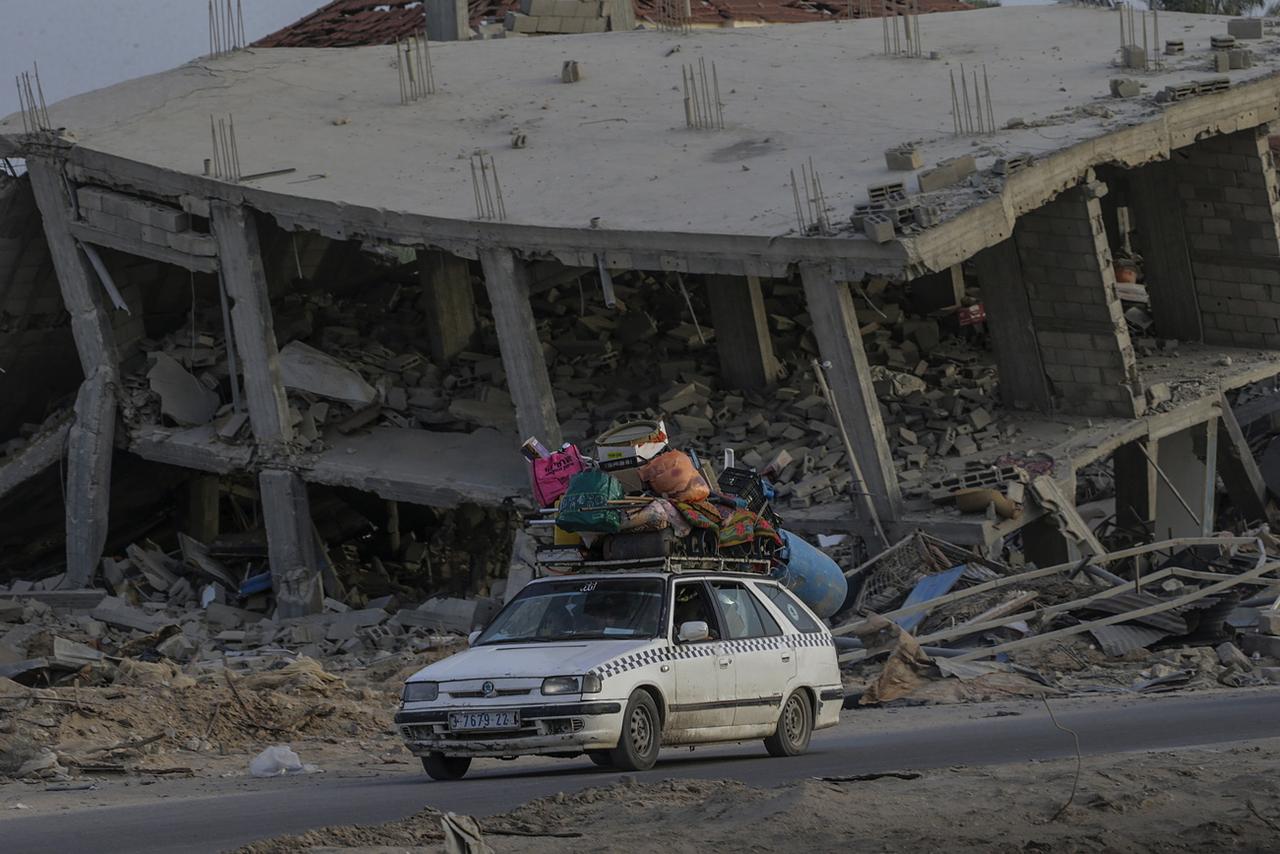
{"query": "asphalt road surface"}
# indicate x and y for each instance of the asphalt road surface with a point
(272, 807)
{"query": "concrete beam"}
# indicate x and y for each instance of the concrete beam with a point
(1023, 384)
(449, 303)
(507, 281)
(244, 277)
(90, 444)
(33, 459)
(91, 438)
(1162, 240)
(291, 544)
(835, 325)
(742, 332)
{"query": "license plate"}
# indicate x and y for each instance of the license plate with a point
(465, 721)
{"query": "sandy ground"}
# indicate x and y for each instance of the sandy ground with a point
(1225, 798)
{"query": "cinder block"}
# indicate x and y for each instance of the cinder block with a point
(538, 8)
(549, 24)
(904, 158)
(193, 244)
(1125, 87)
(947, 173)
(594, 25)
(1245, 28)
(518, 23)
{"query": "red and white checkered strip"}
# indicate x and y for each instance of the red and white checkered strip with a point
(657, 655)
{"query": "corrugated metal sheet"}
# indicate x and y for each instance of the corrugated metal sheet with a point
(1166, 621)
(1118, 640)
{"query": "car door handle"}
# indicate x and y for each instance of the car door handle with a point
(786, 656)
(725, 662)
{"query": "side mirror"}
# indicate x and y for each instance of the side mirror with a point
(693, 631)
(471, 638)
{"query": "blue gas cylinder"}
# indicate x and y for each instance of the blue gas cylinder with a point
(814, 578)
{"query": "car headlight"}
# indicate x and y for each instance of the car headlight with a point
(561, 685)
(420, 692)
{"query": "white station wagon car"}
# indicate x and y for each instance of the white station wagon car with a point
(618, 665)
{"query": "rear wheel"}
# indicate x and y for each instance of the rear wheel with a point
(640, 741)
(795, 726)
(441, 767)
(600, 757)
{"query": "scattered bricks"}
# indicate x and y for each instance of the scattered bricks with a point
(947, 173)
(695, 425)
(1267, 646)
(1180, 92)
(1222, 42)
(1221, 61)
(1269, 621)
(441, 614)
(1174, 47)
(118, 612)
(883, 193)
(1245, 28)
(1125, 87)
(570, 72)
(177, 647)
(1158, 393)
(1212, 84)
(680, 398)
(926, 216)
(1011, 165)
(979, 418)
(779, 462)
(549, 24)
(344, 626)
(878, 227)
(904, 158)
(964, 446)
(218, 614)
(1240, 58)
(518, 23)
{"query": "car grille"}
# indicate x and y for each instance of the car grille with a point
(501, 692)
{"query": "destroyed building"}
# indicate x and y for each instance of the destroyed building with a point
(300, 286)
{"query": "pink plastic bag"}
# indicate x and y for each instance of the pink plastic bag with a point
(551, 475)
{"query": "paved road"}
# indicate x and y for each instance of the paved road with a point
(205, 824)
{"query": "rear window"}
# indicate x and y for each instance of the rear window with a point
(790, 607)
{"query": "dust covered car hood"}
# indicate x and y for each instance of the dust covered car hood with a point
(527, 660)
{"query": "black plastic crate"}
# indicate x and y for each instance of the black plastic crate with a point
(745, 484)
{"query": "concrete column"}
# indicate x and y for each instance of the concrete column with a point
(835, 325)
(1023, 384)
(1079, 325)
(245, 279)
(91, 438)
(1229, 194)
(506, 278)
(449, 303)
(1189, 460)
(742, 332)
(448, 20)
(291, 544)
(1136, 485)
(204, 495)
(1162, 242)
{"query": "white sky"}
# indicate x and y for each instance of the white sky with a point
(87, 44)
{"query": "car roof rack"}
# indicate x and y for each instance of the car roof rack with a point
(565, 561)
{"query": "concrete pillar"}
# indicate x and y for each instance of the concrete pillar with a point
(244, 277)
(1162, 242)
(506, 278)
(1136, 485)
(937, 291)
(1023, 384)
(90, 441)
(448, 21)
(449, 303)
(742, 332)
(1229, 192)
(1188, 459)
(835, 325)
(1071, 288)
(291, 544)
(204, 497)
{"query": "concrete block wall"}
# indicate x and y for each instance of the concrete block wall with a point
(1230, 203)
(1071, 287)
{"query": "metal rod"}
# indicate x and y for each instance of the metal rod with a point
(22, 107)
(235, 148)
(706, 90)
(213, 132)
(715, 81)
(991, 115)
(1169, 483)
(968, 117)
(475, 188)
(497, 189)
(795, 192)
(977, 102)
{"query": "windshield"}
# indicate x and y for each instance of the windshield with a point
(579, 609)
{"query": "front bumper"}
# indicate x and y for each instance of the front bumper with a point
(553, 728)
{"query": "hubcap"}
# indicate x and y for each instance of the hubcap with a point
(641, 731)
(793, 720)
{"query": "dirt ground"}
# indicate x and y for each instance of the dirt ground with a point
(1191, 800)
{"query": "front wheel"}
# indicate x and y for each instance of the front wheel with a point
(441, 767)
(640, 740)
(795, 726)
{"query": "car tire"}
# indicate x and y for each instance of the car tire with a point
(795, 727)
(441, 767)
(601, 758)
(641, 736)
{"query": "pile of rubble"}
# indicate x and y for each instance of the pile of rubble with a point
(931, 622)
